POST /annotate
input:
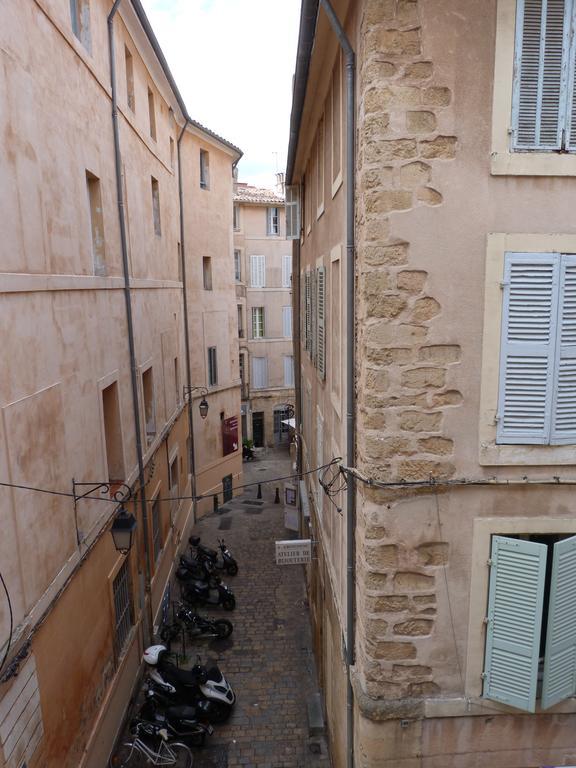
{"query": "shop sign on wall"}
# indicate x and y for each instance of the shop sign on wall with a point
(294, 552)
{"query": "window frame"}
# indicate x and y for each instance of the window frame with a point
(273, 221)
(238, 265)
(258, 323)
(81, 23)
(121, 642)
(204, 169)
(265, 369)
(491, 453)
(156, 525)
(212, 366)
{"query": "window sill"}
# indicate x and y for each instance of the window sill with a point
(532, 164)
(492, 454)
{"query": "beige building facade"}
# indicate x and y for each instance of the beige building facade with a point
(463, 425)
(263, 272)
(96, 380)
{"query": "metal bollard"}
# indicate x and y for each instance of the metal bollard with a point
(215, 502)
(259, 494)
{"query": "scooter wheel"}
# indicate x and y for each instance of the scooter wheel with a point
(231, 568)
(229, 603)
(223, 628)
(220, 712)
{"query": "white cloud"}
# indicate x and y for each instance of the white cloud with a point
(233, 62)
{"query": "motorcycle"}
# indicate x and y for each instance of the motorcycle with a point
(194, 569)
(189, 724)
(195, 685)
(212, 592)
(227, 563)
(195, 626)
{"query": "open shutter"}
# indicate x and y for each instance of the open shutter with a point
(517, 576)
(292, 212)
(564, 401)
(560, 660)
(313, 317)
(307, 311)
(321, 321)
(541, 72)
(286, 271)
(527, 351)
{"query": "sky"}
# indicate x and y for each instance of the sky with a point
(233, 62)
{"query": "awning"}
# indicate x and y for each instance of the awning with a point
(290, 422)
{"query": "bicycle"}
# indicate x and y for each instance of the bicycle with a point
(138, 754)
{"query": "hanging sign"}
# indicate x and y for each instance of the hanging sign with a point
(293, 552)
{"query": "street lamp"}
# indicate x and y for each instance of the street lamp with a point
(122, 530)
(203, 404)
(124, 524)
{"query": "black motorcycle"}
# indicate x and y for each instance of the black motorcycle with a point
(211, 592)
(194, 569)
(223, 561)
(195, 626)
(189, 724)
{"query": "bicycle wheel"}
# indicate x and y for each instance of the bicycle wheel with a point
(181, 754)
(127, 756)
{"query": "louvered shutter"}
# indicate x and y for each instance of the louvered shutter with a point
(559, 680)
(321, 321)
(288, 371)
(287, 322)
(564, 401)
(308, 310)
(286, 271)
(292, 213)
(257, 271)
(517, 574)
(259, 372)
(527, 351)
(571, 98)
(313, 317)
(541, 73)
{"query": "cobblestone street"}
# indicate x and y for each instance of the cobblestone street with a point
(268, 659)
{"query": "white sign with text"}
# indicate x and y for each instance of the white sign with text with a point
(293, 552)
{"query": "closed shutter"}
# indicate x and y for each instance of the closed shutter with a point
(559, 680)
(321, 321)
(308, 312)
(259, 372)
(292, 213)
(541, 73)
(287, 322)
(515, 600)
(257, 271)
(564, 401)
(527, 348)
(319, 458)
(313, 318)
(288, 371)
(286, 271)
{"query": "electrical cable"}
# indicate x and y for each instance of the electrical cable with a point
(11, 622)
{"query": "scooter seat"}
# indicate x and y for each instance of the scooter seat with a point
(182, 712)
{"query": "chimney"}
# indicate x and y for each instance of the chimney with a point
(280, 184)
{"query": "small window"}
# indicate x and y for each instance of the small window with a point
(212, 367)
(123, 607)
(179, 254)
(204, 169)
(151, 114)
(96, 224)
(174, 482)
(157, 540)
(257, 322)
(113, 434)
(129, 79)
(320, 168)
(240, 322)
(237, 266)
(207, 273)
(80, 17)
(236, 216)
(149, 405)
(156, 207)
(273, 221)
(171, 153)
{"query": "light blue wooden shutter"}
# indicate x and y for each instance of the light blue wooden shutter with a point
(541, 73)
(527, 352)
(560, 660)
(564, 402)
(571, 89)
(307, 311)
(515, 600)
(257, 271)
(292, 212)
(321, 321)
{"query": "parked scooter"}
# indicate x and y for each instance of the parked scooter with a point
(186, 723)
(195, 626)
(247, 453)
(194, 569)
(208, 593)
(223, 561)
(191, 685)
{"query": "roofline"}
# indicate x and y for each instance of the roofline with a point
(307, 33)
(146, 26)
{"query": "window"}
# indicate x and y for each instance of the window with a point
(96, 224)
(537, 390)
(288, 371)
(259, 372)
(80, 17)
(113, 434)
(204, 169)
(149, 404)
(237, 265)
(236, 216)
(179, 255)
(336, 115)
(320, 169)
(123, 607)
(174, 482)
(240, 321)
(543, 107)
(151, 114)
(287, 322)
(242, 367)
(129, 79)
(171, 153)
(177, 381)
(335, 335)
(273, 221)
(212, 367)
(292, 213)
(156, 207)
(157, 541)
(257, 322)
(286, 271)
(258, 271)
(319, 459)
(531, 622)
(207, 273)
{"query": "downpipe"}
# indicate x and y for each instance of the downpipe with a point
(350, 64)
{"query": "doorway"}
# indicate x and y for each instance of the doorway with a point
(258, 429)
(281, 430)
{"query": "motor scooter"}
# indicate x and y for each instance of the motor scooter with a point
(212, 592)
(202, 553)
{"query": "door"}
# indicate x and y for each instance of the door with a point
(227, 488)
(258, 429)
(281, 430)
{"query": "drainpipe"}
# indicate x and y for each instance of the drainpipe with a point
(186, 329)
(133, 365)
(350, 63)
(296, 298)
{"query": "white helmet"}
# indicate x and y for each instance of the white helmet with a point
(152, 654)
